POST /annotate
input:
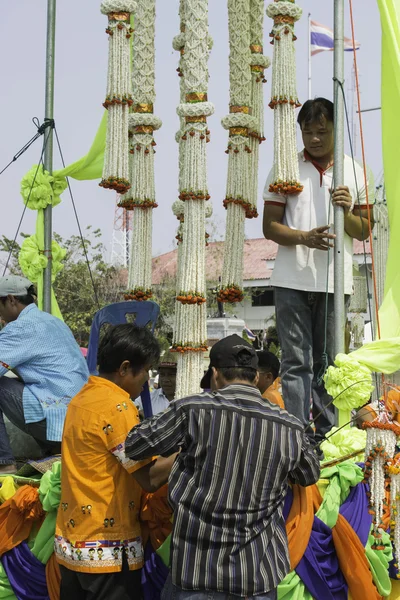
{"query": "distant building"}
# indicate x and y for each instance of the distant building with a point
(259, 260)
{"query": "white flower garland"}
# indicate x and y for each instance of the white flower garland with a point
(240, 200)
(395, 511)
(284, 98)
(119, 94)
(379, 451)
(258, 63)
(190, 333)
(142, 124)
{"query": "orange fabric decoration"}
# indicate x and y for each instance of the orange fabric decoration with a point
(17, 515)
(351, 556)
(299, 523)
(53, 578)
(155, 517)
(393, 403)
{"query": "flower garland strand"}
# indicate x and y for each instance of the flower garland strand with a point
(394, 472)
(258, 63)
(190, 332)
(119, 94)
(178, 207)
(379, 452)
(142, 124)
(239, 199)
(284, 100)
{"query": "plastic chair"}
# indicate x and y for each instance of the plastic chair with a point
(115, 314)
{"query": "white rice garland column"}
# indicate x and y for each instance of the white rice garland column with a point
(142, 124)
(284, 100)
(394, 472)
(239, 123)
(119, 94)
(258, 63)
(379, 451)
(190, 333)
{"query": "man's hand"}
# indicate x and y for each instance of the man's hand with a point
(342, 197)
(318, 238)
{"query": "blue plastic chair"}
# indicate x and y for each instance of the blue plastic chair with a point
(115, 314)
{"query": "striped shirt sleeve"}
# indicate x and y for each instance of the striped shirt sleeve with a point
(162, 434)
(17, 345)
(307, 470)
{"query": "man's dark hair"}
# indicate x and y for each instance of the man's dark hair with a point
(127, 342)
(29, 298)
(268, 362)
(313, 110)
(242, 373)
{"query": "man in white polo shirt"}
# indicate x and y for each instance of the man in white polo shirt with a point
(303, 274)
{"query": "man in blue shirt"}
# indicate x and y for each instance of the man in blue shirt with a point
(41, 350)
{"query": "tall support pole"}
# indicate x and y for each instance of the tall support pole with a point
(309, 56)
(338, 177)
(48, 154)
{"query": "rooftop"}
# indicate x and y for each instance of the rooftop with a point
(257, 253)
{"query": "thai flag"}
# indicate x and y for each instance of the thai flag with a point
(249, 333)
(322, 39)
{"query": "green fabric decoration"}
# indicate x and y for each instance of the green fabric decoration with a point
(43, 546)
(382, 356)
(46, 190)
(343, 442)
(50, 488)
(6, 592)
(91, 165)
(341, 477)
(33, 261)
(341, 382)
(379, 562)
(164, 551)
(292, 588)
(50, 495)
(390, 100)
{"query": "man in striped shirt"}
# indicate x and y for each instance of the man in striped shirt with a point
(228, 484)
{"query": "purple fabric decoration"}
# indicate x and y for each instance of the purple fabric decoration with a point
(27, 575)
(355, 511)
(154, 574)
(319, 568)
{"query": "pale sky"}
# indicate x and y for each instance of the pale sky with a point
(81, 67)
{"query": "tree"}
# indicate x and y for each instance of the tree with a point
(80, 293)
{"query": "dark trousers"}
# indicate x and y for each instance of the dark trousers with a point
(124, 585)
(300, 322)
(11, 404)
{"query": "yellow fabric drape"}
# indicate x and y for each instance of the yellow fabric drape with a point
(91, 165)
(390, 22)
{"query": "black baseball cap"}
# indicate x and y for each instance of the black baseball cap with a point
(232, 351)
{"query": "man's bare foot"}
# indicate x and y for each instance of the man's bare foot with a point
(8, 469)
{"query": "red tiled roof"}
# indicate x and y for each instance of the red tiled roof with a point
(256, 254)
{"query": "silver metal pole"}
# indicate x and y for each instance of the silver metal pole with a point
(309, 56)
(48, 154)
(338, 174)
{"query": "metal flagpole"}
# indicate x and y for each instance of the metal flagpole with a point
(48, 154)
(309, 56)
(338, 177)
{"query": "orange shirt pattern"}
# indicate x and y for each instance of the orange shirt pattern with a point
(100, 500)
